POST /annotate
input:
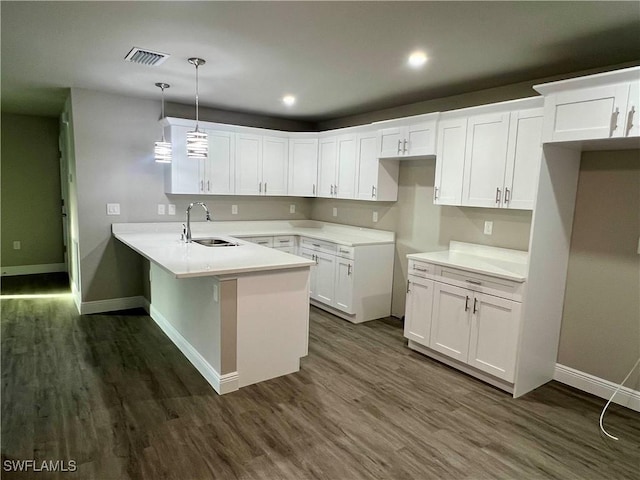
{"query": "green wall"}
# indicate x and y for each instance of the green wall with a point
(30, 191)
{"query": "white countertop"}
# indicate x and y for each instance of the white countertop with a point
(160, 243)
(497, 262)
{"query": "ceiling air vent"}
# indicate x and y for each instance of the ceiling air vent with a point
(146, 57)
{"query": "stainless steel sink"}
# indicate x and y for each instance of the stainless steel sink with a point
(216, 242)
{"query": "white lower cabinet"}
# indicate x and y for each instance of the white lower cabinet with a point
(452, 316)
(343, 296)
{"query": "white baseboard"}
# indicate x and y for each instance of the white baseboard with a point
(31, 269)
(597, 386)
(220, 383)
(113, 305)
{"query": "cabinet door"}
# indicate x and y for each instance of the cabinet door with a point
(344, 285)
(485, 160)
(632, 125)
(494, 335)
(450, 323)
(368, 165)
(327, 164)
(417, 315)
(248, 164)
(185, 172)
(275, 161)
(452, 136)
(346, 172)
(585, 114)
(303, 167)
(219, 167)
(391, 139)
(523, 159)
(325, 278)
(313, 271)
(421, 139)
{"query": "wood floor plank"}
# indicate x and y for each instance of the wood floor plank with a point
(112, 393)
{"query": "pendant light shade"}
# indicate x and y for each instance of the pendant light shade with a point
(162, 149)
(197, 142)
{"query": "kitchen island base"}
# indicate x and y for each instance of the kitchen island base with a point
(238, 329)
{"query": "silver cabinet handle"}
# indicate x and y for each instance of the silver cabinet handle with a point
(420, 269)
(373, 191)
(265, 188)
(475, 305)
(202, 185)
(474, 282)
(332, 190)
(408, 285)
(344, 251)
(208, 185)
(435, 193)
(316, 245)
(614, 121)
(507, 195)
(349, 269)
(498, 195)
(404, 148)
(314, 189)
(399, 144)
(260, 187)
(630, 120)
(466, 303)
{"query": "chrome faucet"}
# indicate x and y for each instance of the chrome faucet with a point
(188, 232)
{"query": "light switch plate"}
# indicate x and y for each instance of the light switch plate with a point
(161, 209)
(234, 209)
(292, 208)
(17, 245)
(375, 217)
(335, 211)
(113, 209)
(172, 209)
(488, 228)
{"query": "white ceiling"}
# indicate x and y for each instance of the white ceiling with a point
(339, 58)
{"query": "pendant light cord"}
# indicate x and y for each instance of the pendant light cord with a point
(162, 112)
(197, 96)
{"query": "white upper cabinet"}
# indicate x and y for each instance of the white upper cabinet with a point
(303, 166)
(337, 166)
(485, 160)
(452, 135)
(248, 164)
(376, 179)
(524, 154)
(327, 165)
(593, 107)
(275, 165)
(408, 137)
(213, 175)
(490, 156)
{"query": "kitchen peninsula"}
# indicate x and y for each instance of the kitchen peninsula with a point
(240, 313)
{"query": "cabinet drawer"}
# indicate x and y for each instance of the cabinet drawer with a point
(344, 252)
(420, 269)
(318, 245)
(284, 241)
(480, 283)
(264, 241)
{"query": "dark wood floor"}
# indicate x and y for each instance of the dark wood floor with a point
(113, 394)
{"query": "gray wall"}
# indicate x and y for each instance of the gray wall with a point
(114, 137)
(601, 321)
(31, 191)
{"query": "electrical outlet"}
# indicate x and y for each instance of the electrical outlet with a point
(113, 209)
(488, 228)
(161, 209)
(375, 217)
(335, 211)
(292, 208)
(234, 209)
(172, 209)
(17, 245)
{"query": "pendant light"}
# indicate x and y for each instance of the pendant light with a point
(197, 143)
(162, 149)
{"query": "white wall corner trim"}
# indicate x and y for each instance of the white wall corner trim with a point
(77, 296)
(112, 305)
(33, 269)
(597, 386)
(221, 383)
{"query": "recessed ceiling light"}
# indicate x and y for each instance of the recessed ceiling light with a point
(417, 59)
(289, 100)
